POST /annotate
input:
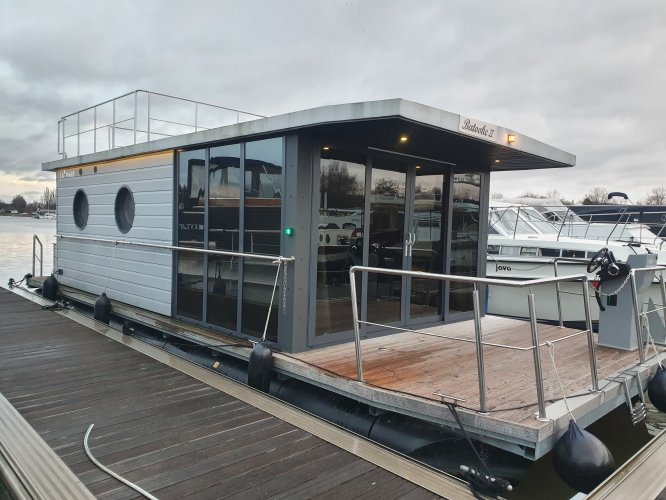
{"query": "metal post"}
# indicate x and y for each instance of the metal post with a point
(637, 319)
(136, 95)
(148, 116)
(591, 349)
(33, 254)
(515, 227)
(113, 131)
(78, 134)
(537, 358)
(196, 115)
(558, 291)
(479, 350)
(663, 295)
(357, 334)
(95, 129)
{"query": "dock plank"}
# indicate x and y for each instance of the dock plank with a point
(169, 433)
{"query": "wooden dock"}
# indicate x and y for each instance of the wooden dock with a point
(177, 434)
(642, 477)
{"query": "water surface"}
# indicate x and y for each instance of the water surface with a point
(16, 246)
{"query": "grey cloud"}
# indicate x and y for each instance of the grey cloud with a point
(585, 77)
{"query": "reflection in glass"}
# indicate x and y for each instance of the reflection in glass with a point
(464, 238)
(191, 206)
(340, 237)
(263, 225)
(223, 216)
(387, 231)
(426, 228)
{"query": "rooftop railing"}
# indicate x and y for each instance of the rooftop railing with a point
(137, 117)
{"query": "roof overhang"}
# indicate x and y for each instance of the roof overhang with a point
(439, 127)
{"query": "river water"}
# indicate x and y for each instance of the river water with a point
(16, 235)
(615, 430)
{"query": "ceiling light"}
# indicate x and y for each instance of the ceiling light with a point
(418, 166)
(497, 161)
(511, 138)
(403, 138)
(326, 148)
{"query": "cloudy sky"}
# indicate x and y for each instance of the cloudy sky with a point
(587, 77)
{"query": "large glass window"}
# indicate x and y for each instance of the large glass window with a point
(262, 234)
(224, 185)
(340, 237)
(191, 209)
(387, 235)
(464, 238)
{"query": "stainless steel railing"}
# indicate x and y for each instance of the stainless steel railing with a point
(272, 258)
(36, 241)
(478, 340)
(145, 121)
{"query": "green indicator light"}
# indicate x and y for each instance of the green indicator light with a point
(288, 231)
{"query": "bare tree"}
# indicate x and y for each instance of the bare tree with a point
(531, 194)
(49, 198)
(597, 196)
(657, 196)
(496, 196)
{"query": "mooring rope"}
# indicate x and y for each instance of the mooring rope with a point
(646, 326)
(270, 304)
(136, 488)
(551, 351)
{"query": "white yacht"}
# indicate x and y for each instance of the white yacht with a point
(522, 244)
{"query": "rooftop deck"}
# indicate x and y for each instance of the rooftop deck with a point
(177, 434)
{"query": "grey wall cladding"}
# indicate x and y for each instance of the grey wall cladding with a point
(141, 277)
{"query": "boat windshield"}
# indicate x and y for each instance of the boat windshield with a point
(537, 220)
(505, 221)
(519, 220)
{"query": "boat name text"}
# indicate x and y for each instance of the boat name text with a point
(502, 267)
(477, 128)
(66, 173)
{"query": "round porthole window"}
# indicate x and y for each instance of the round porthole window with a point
(80, 209)
(124, 209)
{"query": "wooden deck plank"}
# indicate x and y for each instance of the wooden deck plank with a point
(164, 430)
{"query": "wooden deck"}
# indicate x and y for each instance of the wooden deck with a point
(405, 370)
(166, 431)
(424, 365)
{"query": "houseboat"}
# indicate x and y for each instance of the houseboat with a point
(351, 239)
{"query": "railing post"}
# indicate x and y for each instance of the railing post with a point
(113, 131)
(537, 358)
(663, 295)
(78, 134)
(558, 291)
(95, 129)
(515, 227)
(136, 117)
(357, 333)
(479, 350)
(196, 116)
(591, 349)
(33, 253)
(148, 116)
(637, 319)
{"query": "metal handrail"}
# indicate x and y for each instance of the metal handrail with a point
(149, 115)
(536, 344)
(35, 240)
(273, 258)
(634, 290)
